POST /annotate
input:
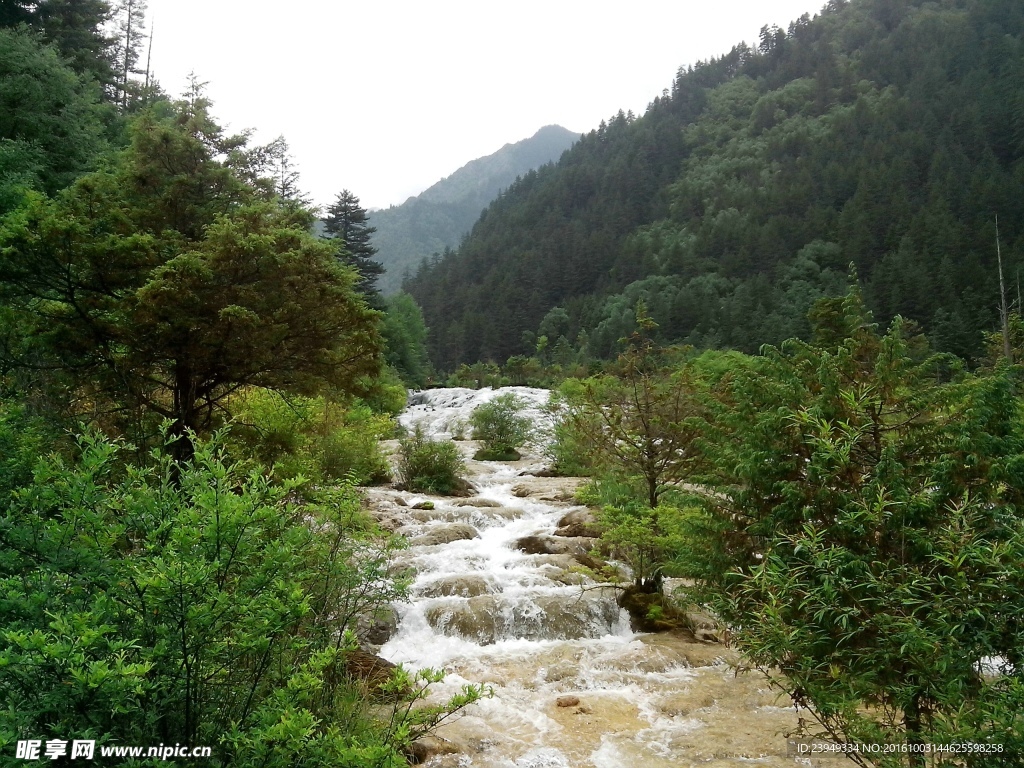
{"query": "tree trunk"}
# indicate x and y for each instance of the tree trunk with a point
(913, 726)
(182, 447)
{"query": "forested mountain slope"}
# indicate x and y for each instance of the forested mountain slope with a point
(438, 218)
(887, 134)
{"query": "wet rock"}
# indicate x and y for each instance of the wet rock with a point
(476, 503)
(522, 491)
(422, 750)
(545, 472)
(456, 586)
(488, 618)
(651, 611)
(708, 635)
(445, 534)
(370, 671)
(579, 522)
(423, 505)
(567, 701)
(377, 628)
(389, 523)
(551, 545)
(399, 501)
(561, 671)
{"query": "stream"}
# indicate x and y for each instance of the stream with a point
(574, 686)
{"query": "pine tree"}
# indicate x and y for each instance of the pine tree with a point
(347, 223)
(130, 16)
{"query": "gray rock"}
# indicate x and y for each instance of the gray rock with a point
(445, 534)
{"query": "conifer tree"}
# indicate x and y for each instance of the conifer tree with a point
(347, 223)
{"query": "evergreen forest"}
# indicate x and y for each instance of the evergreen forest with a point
(883, 134)
(778, 314)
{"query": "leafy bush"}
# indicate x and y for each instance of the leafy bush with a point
(196, 604)
(431, 466)
(569, 451)
(502, 428)
(313, 437)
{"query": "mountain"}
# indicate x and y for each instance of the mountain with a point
(882, 134)
(438, 218)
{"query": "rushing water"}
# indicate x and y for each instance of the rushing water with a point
(573, 685)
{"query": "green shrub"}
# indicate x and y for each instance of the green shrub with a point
(196, 604)
(313, 437)
(430, 466)
(502, 428)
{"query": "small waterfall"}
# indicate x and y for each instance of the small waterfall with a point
(574, 686)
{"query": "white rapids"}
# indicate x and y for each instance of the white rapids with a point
(573, 686)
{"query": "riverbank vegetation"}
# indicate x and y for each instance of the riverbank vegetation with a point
(192, 383)
(848, 506)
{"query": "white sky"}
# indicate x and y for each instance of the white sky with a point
(385, 97)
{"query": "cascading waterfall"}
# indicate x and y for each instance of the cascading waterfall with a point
(573, 685)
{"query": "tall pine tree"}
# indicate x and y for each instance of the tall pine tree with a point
(346, 222)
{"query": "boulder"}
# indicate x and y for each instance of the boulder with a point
(579, 522)
(567, 701)
(378, 627)
(371, 671)
(552, 545)
(477, 502)
(423, 505)
(464, 585)
(427, 747)
(444, 534)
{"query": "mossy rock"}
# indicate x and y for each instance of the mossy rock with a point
(651, 611)
(493, 454)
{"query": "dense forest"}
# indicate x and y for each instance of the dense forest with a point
(437, 219)
(192, 383)
(887, 135)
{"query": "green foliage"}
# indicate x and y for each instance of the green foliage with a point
(347, 226)
(880, 134)
(310, 437)
(431, 466)
(569, 450)
(405, 339)
(163, 284)
(502, 427)
(867, 515)
(51, 122)
(645, 422)
(208, 611)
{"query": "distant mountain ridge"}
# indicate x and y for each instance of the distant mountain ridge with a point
(440, 216)
(883, 134)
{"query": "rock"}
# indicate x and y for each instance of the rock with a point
(707, 635)
(423, 749)
(579, 522)
(550, 545)
(476, 503)
(522, 491)
(456, 586)
(399, 501)
(379, 627)
(444, 534)
(567, 701)
(463, 488)
(371, 671)
(651, 611)
(486, 619)
(423, 505)
(560, 671)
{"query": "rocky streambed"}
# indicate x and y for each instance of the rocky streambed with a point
(503, 596)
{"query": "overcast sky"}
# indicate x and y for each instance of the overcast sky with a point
(385, 97)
